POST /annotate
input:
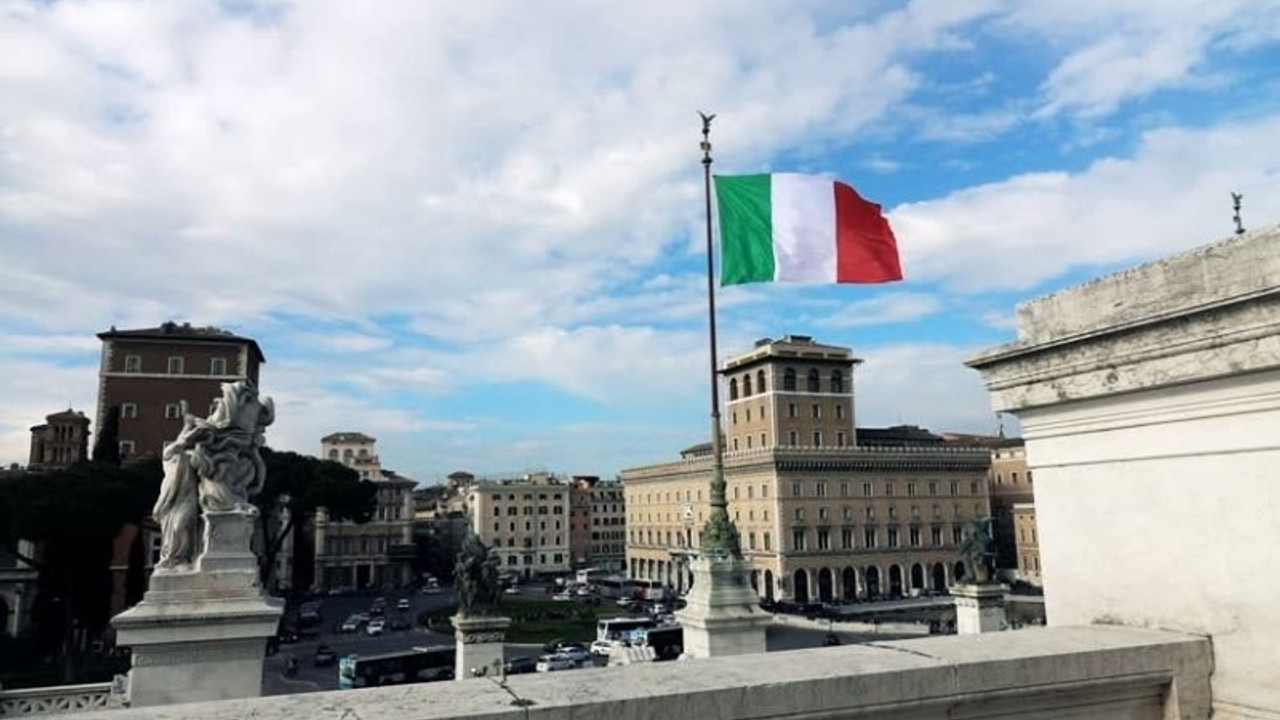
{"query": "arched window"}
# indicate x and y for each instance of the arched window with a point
(789, 379)
(746, 385)
(347, 454)
(333, 454)
(813, 381)
(760, 381)
(733, 388)
(837, 381)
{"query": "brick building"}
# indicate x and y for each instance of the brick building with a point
(62, 441)
(597, 519)
(147, 374)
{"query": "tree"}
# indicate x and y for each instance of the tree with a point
(300, 484)
(73, 516)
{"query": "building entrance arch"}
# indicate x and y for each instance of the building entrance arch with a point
(801, 586)
(873, 582)
(768, 585)
(826, 585)
(939, 577)
(895, 581)
(849, 584)
(917, 577)
(959, 571)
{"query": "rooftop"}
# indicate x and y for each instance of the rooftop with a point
(186, 332)
(347, 437)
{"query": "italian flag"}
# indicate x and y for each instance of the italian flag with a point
(786, 227)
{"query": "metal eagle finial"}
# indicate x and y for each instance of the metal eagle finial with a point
(1235, 205)
(706, 136)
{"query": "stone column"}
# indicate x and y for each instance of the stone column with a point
(722, 616)
(201, 633)
(979, 608)
(479, 641)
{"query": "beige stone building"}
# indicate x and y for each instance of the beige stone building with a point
(1027, 543)
(824, 513)
(62, 441)
(379, 553)
(526, 522)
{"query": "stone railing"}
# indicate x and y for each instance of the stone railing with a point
(1093, 672)
(57, 699)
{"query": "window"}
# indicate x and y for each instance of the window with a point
(957, 535)
(792, 438)
(839, 439)
(748, 414)
(760, 382)
(746, 388)
(751, 541)
(847, 513)
(817, 438)
(767, 544)
(763, 443)
(933, 487)
(175, 365)
(218, 366)
(870, 513)
(333, 454)
(866, 489)
(935, 536)
(824, 540)
(497, 527)
(733, 389)
(846, 538)
(869, 537)
(1029, 483)
(817, 411)
(915, 512)
(839, 411)
(791, 410)
(914, 537)
(133, 363)
(789, 379)
(893, 512)
(911, 489)
(813, 384)
(735, 444)
(973, 488)
(888, 488)
(954, 487)
(172, 411)
(797, 540)
(823, 514)
(820, 488)
(1014, 478)
(893, 537)
(837, 381)
(799, 514)
(795, 489)
(748, 442)
(126, 449)
(751, 492)
(497, 511)
(128, 411)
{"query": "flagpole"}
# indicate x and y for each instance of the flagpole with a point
(719, 536)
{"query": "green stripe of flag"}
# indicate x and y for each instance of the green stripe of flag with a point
(746, 228)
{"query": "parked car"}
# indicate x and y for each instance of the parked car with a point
(575, 652)
(520, 665)
(325, 656)
(551, 663)
(603, 648)
(549, 648)
(562, 597)
(511, 590)
(350, 625)
(376, 627)
(403, 604)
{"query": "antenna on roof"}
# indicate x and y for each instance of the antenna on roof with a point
(1000, 425)
(1235, 205)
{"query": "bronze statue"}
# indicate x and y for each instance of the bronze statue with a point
(475, 577)
(978, 549)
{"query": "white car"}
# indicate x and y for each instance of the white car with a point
(562, 597)
(403, 604)
(376, 627)
(551, 663)
(512, 590)
(603, 648)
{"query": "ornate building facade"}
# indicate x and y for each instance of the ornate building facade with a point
(825, 512)
(526, 522)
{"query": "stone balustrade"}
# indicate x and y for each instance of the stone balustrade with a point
(1095, 672)
(58, 699)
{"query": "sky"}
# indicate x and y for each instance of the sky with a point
(474, 230)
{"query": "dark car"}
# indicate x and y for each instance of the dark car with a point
(552, 646)
(400, 623)
(325, 656)
(521, 665)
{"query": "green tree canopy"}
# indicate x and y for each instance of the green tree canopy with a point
(301, 484)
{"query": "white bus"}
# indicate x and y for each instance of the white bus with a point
(588, 576)
(621, 628)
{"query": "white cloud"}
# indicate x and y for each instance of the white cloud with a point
(890, 307)
(922, 384)
(1171, 195)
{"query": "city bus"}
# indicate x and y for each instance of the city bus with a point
(589, 576)
(408, 666)
(621, 628)
(651, 590)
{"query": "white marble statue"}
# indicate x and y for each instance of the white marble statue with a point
(213, 465)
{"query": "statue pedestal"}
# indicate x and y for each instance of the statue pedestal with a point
(479, 641)
(200, 633)
(979, 608)
(722, 615)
